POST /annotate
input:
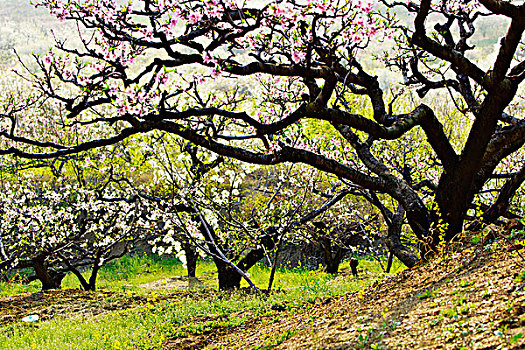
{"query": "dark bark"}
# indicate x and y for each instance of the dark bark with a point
(395, 225)
(418, 215)
(50, 279)
(274, 263)
(506, 194)
(332, 264)
(78, 274)
(94, 272)
(501, 205)
(191, 259)
(405, 255)
(398, 249)
(332, 254)
(390, 261)
(458, 184)
(353, 266)
(228, 277)
(455, 190)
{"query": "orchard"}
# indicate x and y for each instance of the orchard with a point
(240, 132)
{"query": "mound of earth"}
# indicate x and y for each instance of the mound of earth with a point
(470, 297)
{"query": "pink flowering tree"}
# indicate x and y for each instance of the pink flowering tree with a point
(247, 80)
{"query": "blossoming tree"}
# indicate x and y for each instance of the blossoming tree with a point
(245, 79)
(223, 209)
(57, 226)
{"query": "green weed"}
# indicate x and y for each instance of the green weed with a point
(150, 324)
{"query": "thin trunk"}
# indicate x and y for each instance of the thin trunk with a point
(229, 274)
(81, 279)
(96, 268)
(390, 261)
(326, 248)
(76, 272)
(395, 225)
(353, 266)
(191, 259)
(274, 264)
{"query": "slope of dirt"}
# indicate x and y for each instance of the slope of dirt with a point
(471, 297)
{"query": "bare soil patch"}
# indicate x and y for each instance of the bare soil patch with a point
(63, 303)
(171, 283)
(70, 303)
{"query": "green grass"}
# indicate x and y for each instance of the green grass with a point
(148, 325)
(316, 280)
(130, 271)
(120, 275)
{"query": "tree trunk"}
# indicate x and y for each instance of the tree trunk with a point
(228, 278)
(390, 261)
(457, 186)
(333, 260)
(50, 279)
(274, 264)
(393, 241)
(94, 273)
(332, 266)
(81, 279)
(191, 259)
(452, 210)
(401, 252)
(353, 266)
(505, 196)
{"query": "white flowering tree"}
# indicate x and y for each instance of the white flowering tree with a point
(232, 212)
(56, 225)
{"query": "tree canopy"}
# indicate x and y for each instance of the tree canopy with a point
(290, 81)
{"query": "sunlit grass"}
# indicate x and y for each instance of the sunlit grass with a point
(150, 324)
(120, 275)
(129, 272)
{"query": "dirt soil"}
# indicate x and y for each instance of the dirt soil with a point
(62, 303)
(471, 297)
(170, 283)
(70, 303)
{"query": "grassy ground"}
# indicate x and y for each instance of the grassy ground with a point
(124, 315)
(471, 296)
(121, 275)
